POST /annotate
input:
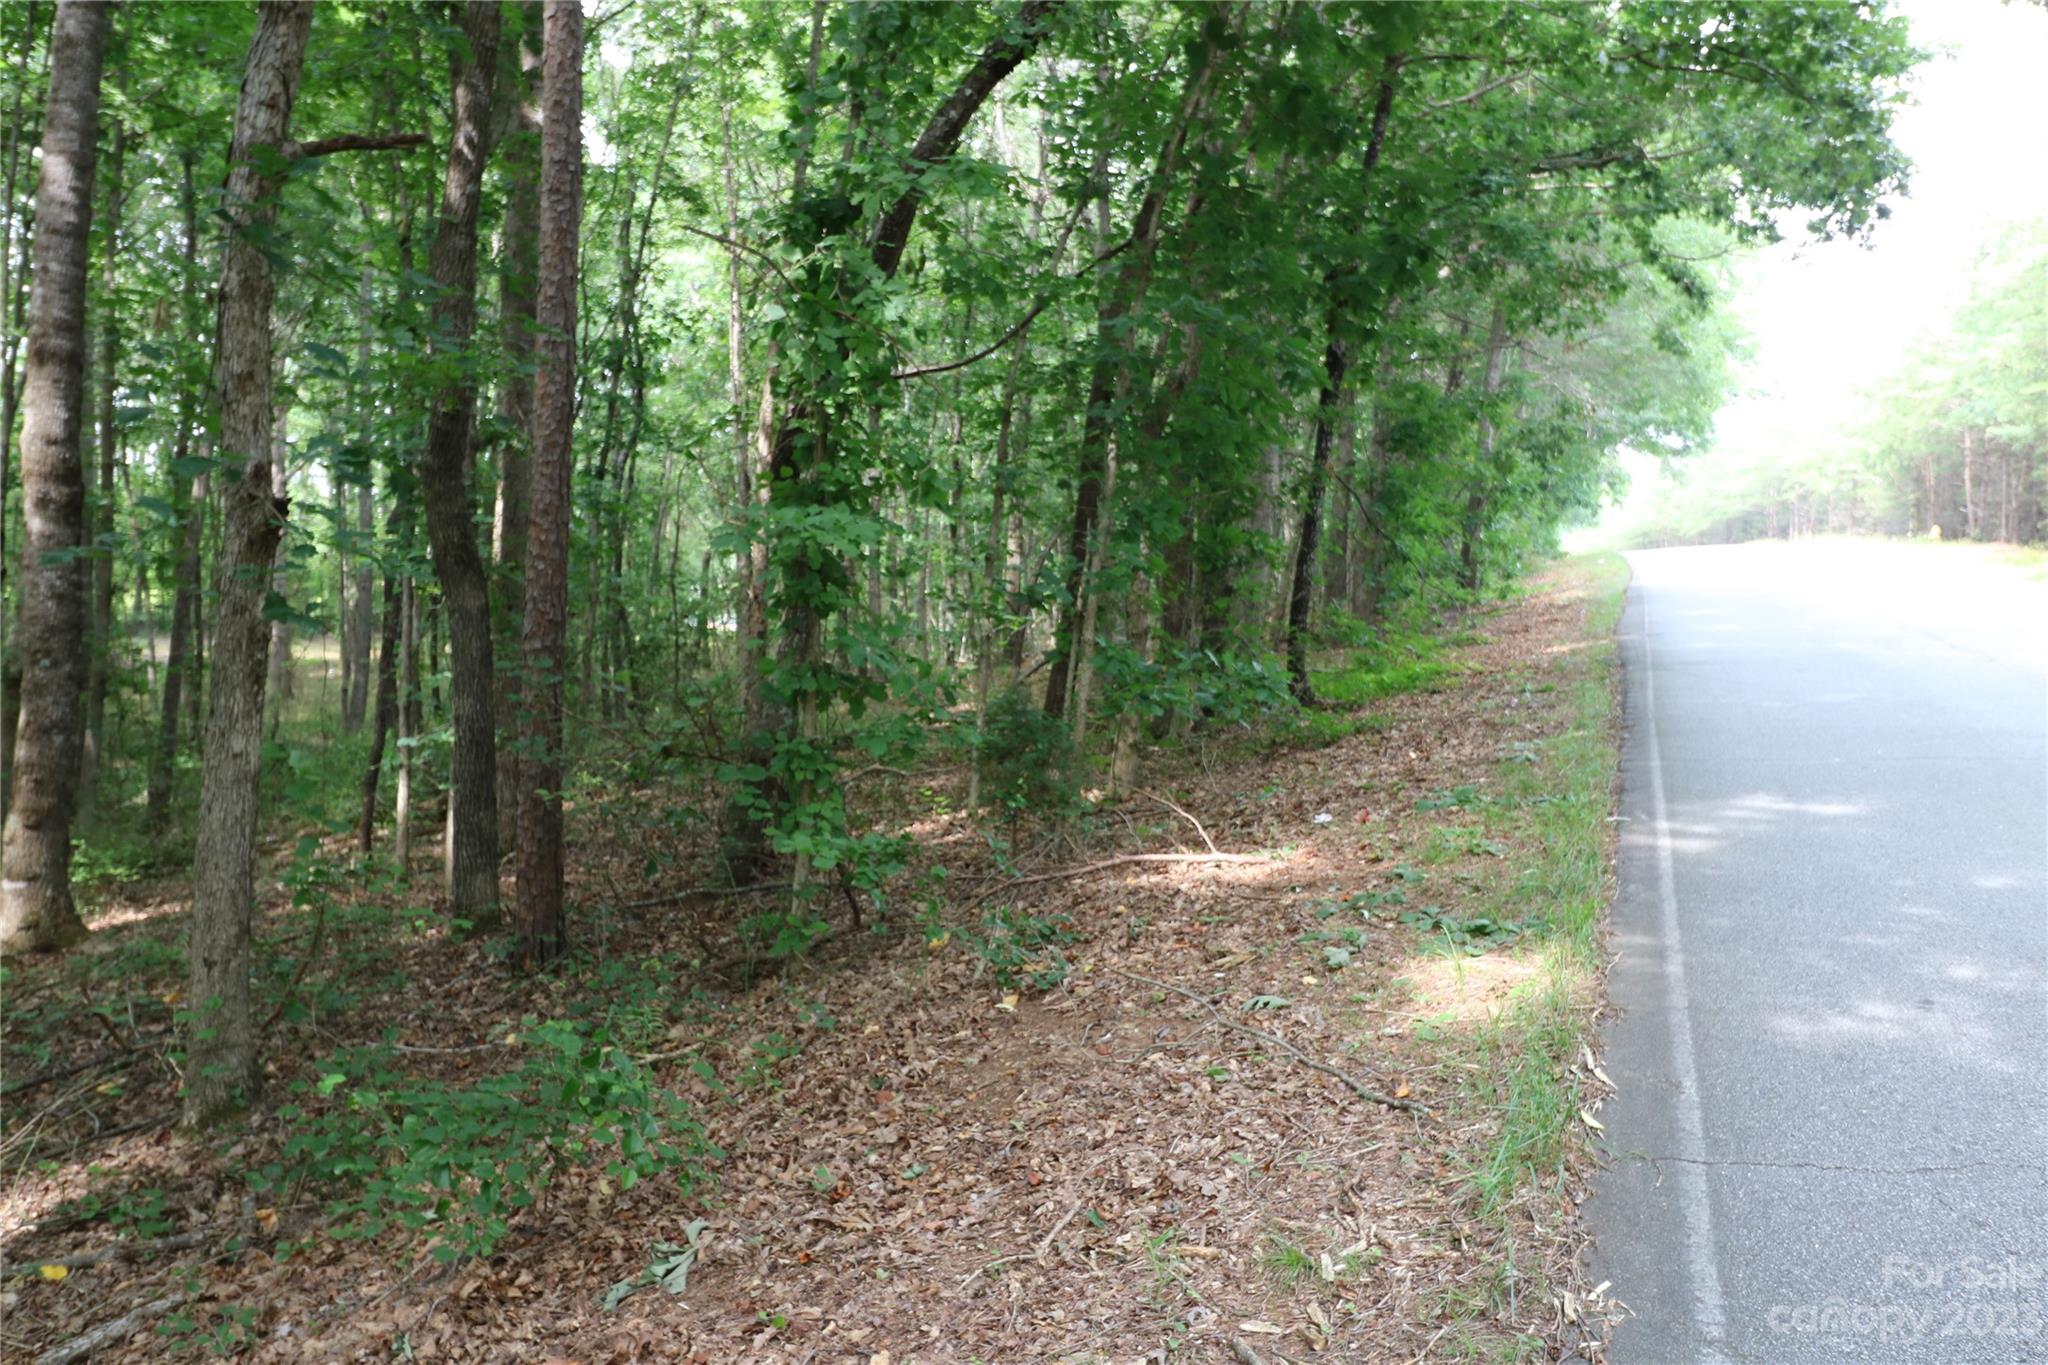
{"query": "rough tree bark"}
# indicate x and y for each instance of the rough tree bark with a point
(36, 911)
(220, 1071)
(539, 925)
(470, 850)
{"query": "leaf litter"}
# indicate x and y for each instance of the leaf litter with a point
(1168, 1153)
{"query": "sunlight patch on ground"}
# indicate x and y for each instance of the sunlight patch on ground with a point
(1456, 989)
(122, 915)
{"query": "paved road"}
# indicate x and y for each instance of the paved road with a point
(1830, 1141)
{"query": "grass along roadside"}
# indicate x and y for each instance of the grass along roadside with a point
(1543, 821)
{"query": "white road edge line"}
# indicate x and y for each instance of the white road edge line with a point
(1691, 1176)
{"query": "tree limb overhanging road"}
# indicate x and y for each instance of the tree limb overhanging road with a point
(1830, 1137)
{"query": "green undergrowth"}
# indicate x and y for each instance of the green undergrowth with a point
(1383, 665)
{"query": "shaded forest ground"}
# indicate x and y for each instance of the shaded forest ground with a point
(1326, 1101)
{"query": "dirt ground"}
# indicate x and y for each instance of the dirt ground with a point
(1215, 1139)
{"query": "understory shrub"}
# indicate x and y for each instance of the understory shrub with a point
(459, 1162)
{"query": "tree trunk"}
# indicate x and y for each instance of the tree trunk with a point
(387, 694)
(362, 578)
(1301, 599)
(278, 676)
(470, 872)
(221, 1073)
(1473, 527)
(36, 911)
(796, 436)
(539, 924)
(179, 664)
(1109, 378)
(408, 731)
(100, 658)
(1969, 486)
(517, 267)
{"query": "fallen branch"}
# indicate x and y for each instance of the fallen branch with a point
(696, 892)
(1363, 1091)
(58, 1073)
(119, 1251)
(1128, 858)
(120, 1329)
(1149, 796)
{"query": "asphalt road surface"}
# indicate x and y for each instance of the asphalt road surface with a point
(1830, 1137)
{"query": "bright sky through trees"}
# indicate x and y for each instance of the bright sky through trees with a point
(1828, 321)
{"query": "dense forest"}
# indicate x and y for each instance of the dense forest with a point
(507, 435)
(1951, 444)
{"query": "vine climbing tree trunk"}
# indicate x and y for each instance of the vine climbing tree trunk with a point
(36, 911)
(542, 934)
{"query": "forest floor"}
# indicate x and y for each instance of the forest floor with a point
(1324, 1102)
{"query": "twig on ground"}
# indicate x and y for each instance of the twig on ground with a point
(58, 1073)
(119, 1251)
(1356, 1087)
(1123, 860)
(1057, 1228)
(121, 1328)
(1151, 796)
(692, 892)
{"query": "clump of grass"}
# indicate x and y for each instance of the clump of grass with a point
(1371, 674)
(1286, 1262)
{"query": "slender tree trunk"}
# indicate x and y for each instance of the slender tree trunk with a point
(1301, 599)
(1969, 486)
(278, 676)
(1110, 377)
(36, 910)
(13, 305)
(387, 696)
(221, 1074)
(180, 673)
(408, 725)
(188, 494)
(361, 578)
(1473, 527)
(99, 660)
(517, 269)
(470, 872)
(540, 926)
